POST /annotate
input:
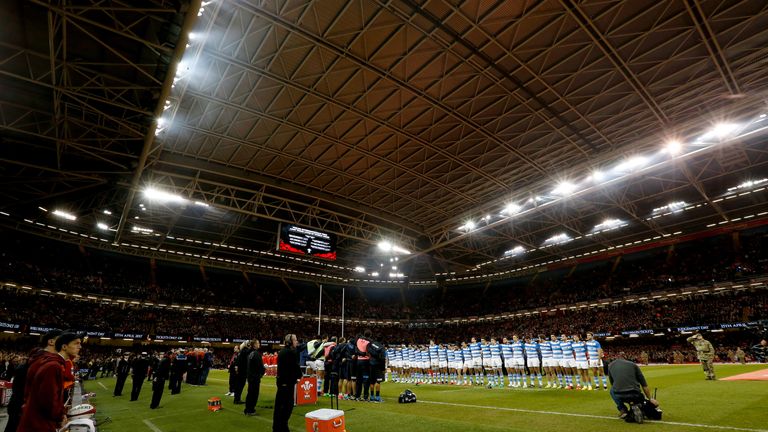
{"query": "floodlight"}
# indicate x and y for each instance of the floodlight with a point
(557, 239)
(360, 269)
(564, 188)
(163, 196)
(201, 204)
(722, 130)
(631, 164)
(609, 224)
(375, 274)
(43, 209)
(517, 250)
(398, 249)
(597, 176)
(64, 215)
(385, 246)
(673, 147)
(107, 212)
(102, 226)
(511, 208)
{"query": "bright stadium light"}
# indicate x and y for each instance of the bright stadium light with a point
(558, 239)
(360, 269)
(673, 147)
(142, 230)
(511, 209)
(107, 212)
(201, 204)
(375, 274)
(385, 246)
(748, 184)
(564, 188)
(468, 226)
(609, 224)
(631, 164)
(515, 251)
(597, 176)
(162, 196)
(671, 207)
(722, 130)
(102, 226)
(64, 215)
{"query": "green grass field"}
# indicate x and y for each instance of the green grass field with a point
(689, 402)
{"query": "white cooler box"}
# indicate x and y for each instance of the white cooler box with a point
(325, 420)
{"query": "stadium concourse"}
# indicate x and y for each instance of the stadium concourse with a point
(487, 203)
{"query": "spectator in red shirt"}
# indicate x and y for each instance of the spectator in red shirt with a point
(43, 409)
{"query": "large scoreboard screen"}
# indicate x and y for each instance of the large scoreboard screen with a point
(306, 241)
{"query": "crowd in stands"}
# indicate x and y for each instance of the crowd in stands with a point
(64, 267)
(32, 309)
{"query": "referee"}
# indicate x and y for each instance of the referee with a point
(288, 373)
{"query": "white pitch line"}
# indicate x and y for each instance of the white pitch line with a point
(102, 386)
(592, 416)
(151, 426)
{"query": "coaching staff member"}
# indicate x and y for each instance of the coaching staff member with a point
(288, 374)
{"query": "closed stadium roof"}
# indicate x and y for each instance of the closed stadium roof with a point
(482, 137)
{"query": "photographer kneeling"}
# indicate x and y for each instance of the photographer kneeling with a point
(628, 386)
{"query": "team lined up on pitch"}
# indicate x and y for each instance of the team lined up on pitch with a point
(564, 363)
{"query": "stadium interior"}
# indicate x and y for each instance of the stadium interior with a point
(181, 174)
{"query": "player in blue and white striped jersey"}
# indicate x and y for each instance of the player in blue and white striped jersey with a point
(582, 365)
(391, 354)
(425, 365)
(518, 364)
(466, 368)
(557, 356)
(595, 352)
(442, 356)
(495, 376)
(487, 362)
(568, 363)
(548, 364)
(477, 360)
(434, 361)
(506, 356)
(532, 360)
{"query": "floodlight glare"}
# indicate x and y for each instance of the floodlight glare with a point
(722, 130)
(517, 250)
(102, 226)
(107, 212)
(557, 239)
(360, 269)
(64, 215)
(385, 246)
(631, 164)
(375, 274)
(511, 209)
(673, 147)
(158, 195)
(609, 224)
(564, 188)
(597, 176)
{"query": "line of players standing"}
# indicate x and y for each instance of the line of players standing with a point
(564, 362)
